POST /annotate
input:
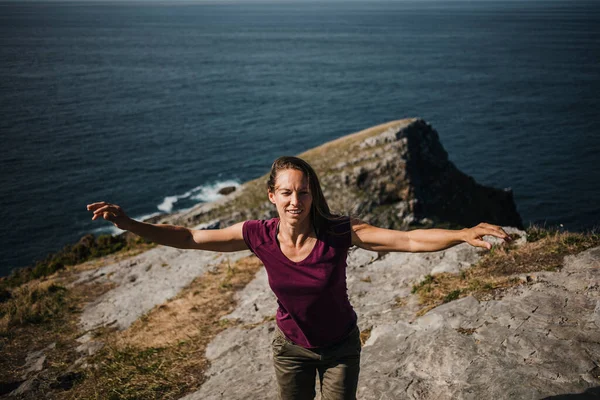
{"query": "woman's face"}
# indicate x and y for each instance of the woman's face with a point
(292, 196)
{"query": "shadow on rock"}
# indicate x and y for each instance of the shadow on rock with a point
(591, 393)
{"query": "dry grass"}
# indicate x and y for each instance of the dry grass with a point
(195, 310)
(161, 356)
(500, 267)
(33, 303)
(365, 334)
(129, 252)
(319, 157)
(466, 331)
(43, 312)
(399, 302)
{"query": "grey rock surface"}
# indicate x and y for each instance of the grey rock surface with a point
(143, 281)
(34, 365)
(242, 366)
(254, 303)
(34, 361)
(541, 339)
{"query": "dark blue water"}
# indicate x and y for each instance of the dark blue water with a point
(154, 105)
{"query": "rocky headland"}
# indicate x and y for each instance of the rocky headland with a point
(518, 322)
(396, 175)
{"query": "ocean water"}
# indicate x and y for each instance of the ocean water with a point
(155, 105)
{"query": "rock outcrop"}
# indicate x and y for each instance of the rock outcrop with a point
(396, 175)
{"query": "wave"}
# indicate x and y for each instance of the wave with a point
(104, 230)
(169, 202)
(203, 193)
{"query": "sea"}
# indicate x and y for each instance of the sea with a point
(156, 105)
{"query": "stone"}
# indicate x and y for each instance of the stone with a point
(243, 366)
(34, 361)
(67, 380)
(254, 303)
(30, 385)
(226, 190)
(89, 348)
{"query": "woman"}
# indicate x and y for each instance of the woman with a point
(304, 252)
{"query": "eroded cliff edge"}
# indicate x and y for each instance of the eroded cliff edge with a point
(396, 175)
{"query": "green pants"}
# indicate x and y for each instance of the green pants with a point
(296, 368)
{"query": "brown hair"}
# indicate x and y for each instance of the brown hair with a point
(320, 214)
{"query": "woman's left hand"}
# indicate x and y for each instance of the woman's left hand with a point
(474, 236)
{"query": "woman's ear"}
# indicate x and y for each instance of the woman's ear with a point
(271, 197)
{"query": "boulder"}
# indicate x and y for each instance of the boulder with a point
(226, 190)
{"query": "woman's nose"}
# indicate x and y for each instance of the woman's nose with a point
(294, 198)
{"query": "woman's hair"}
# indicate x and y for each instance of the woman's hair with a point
(320, 214)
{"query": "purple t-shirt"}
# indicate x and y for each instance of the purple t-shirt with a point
(314, 310)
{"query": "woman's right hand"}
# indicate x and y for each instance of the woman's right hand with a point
(110, 212)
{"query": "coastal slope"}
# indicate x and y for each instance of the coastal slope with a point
(520, 321)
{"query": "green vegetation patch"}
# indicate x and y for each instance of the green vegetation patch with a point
(88, 247)
(499, 268)
(424, 285)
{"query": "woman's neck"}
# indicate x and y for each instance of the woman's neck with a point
(295, 234)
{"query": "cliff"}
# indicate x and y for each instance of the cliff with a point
(396, 175)
(520, 321)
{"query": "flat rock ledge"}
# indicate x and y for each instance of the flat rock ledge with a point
(144, 281)
(539, 341)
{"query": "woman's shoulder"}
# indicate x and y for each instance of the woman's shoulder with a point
(266, 223)
(259, 229)
(339, 224)
(338, 231)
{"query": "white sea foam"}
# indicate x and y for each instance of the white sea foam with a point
(113, 230)
(203, 193)
(208, 193)
(145, 217)
(167, 204)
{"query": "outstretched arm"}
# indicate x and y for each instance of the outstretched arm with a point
(223, 240)
(421, 240)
